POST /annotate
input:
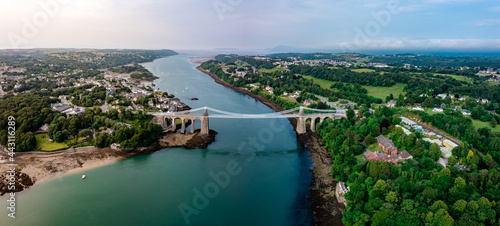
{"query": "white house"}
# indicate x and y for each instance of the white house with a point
(442, 96)
(418, 108)
(437, 110)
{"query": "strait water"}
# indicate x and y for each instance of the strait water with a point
(263, 173)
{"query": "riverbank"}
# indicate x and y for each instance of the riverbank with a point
(33, 167)
(324, 207)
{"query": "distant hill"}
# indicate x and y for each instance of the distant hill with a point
(399, 59)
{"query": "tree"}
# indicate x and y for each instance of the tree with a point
(350, 114)
(434, 152)
(442, 217)
(460, 183)
(28, 143)
(429, 192)
(381, 187)
(438, 205)
(113, 114)
(459, 205)
(410, 140)
(443, 106)
(391, 197)
(452, 161)
(493, 123)
(469, 155)
(381, 216)
(60, 136)
(101, 140)
(369, 140)
(85, 133)
(385, 123)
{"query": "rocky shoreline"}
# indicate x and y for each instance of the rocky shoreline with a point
(324, 206)
(33, 167)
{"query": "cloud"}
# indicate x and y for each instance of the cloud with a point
(245, 24)
(449, 1)
(495, 9)
(488, 22)
(439, 44)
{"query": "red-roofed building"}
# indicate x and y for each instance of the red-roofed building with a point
(387, 145)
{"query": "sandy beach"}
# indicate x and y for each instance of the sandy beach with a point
(200, 59)
(33, 167)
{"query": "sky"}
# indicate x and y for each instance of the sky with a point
(343, 25)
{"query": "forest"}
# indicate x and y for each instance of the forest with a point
(346, 75)
(417, 191)
(32, 110)
(138, 72)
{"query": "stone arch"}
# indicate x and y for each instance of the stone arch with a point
(314, 121)
(194, 122)
(174, 125)
(168, 121)
(183, 125)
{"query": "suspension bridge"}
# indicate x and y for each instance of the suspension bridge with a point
(163, 118)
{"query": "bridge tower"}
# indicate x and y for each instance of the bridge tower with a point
(204, 123)
(301, 122)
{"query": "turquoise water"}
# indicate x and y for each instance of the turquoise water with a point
(263, 174)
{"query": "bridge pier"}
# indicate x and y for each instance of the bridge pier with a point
(313, 124)
(174, 125)
(183, 126)
(301, 122)
(192, 125)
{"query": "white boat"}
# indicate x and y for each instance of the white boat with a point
(83, 176)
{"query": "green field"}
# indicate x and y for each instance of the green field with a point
(48, 146)
(381, 92)
(325, 84)
(240, 63)
(480, 124)
(457, 77)
(360, 70)
(430, 112)
(271, 70)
